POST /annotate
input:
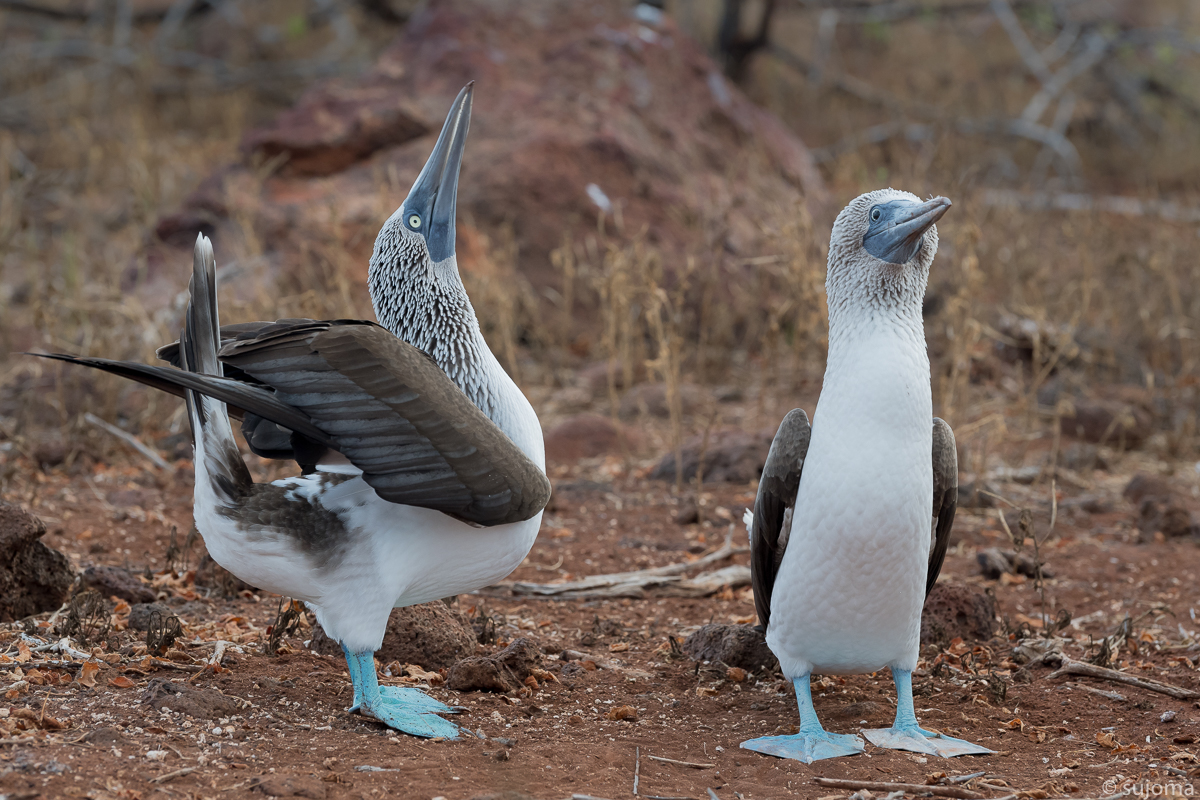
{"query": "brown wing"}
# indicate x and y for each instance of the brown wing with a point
(776, 497)
(353, 387)
(945, 497)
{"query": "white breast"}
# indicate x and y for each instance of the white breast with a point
(849, 591)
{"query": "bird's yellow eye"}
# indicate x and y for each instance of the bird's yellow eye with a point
(414, 221)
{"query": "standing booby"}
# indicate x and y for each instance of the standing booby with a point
(423, 463)
(841, 557)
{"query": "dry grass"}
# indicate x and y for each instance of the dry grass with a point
(84, 178)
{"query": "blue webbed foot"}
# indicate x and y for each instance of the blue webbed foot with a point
(906, 734)
(807, 747)
(400, 707)
(918, 740)
(411, 719)
(415, 699)
(813, 742)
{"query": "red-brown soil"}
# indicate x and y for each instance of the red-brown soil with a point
(288, 734)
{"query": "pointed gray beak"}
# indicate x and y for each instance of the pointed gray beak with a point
(897, 236)
(433, 198)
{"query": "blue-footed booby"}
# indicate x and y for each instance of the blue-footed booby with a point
(842, 555)
(423, 468)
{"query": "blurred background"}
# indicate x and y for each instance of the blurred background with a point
(644, 209)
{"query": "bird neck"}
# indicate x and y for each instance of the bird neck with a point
(429, 308)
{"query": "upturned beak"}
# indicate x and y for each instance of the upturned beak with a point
(899, 242)
(435, 194)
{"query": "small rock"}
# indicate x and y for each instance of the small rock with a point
(1143, 485)
(587, 436)
(140, 613)
(291, 786)
(735, 674)
(1107, 422)
(628, 713)
(741, 646)
(187, 699)
(730, 456)
(994, 562)
(431, 635)
(956, 610)
(503, 672)
(117, 582)
(1159, 509)
(33, 576)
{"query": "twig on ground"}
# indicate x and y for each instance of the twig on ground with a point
(129, 439)
(621, 584)
(1072, 667)
(179, 773)
(965, 778)
(682, 763)
(637, 769)
(1093, 690)
(889, 786)
(712, 795)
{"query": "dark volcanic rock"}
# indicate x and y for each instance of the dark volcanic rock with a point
(33, 577)
(729, 457)
(431, 635)
(1108, 422)
(994, 562)
(955, 610)
(586, 436)
(140, 613)
(503, 672)
(187, 699)
(1159, 509)
(335, 125)
(117, 582)
(732, 645)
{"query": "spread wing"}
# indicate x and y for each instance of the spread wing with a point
(772, 508)
(353, 387)
(945, 497)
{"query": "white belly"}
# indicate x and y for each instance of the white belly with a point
(849, 592)
(391, 556)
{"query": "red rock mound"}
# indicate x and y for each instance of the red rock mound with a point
(579, 108)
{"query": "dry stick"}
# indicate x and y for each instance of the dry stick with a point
(712, 795)
(179, 773)
(1101, 692)
(637, 767)
(1072, 667)
(888, 786)
(129, 439)
(681, 763)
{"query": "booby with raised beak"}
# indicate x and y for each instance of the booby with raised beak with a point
(842, 554)
(423, 467)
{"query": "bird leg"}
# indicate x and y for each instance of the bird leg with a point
(906, 734)
(402, 708)
(813, 742)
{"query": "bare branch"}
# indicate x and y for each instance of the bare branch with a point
(1095, 46)
(1029, 54)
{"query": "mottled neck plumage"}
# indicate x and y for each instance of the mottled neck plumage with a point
(426, 305)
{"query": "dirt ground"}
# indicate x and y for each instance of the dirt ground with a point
(278, 725)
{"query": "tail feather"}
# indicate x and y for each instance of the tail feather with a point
(217, 456)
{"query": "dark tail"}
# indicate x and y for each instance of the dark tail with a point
(217, 460)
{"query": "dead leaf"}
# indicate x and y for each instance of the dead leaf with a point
(24, 654)
(121, 682)
(87, 674)
(706, 691)
(735, 674)
(618, 647)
